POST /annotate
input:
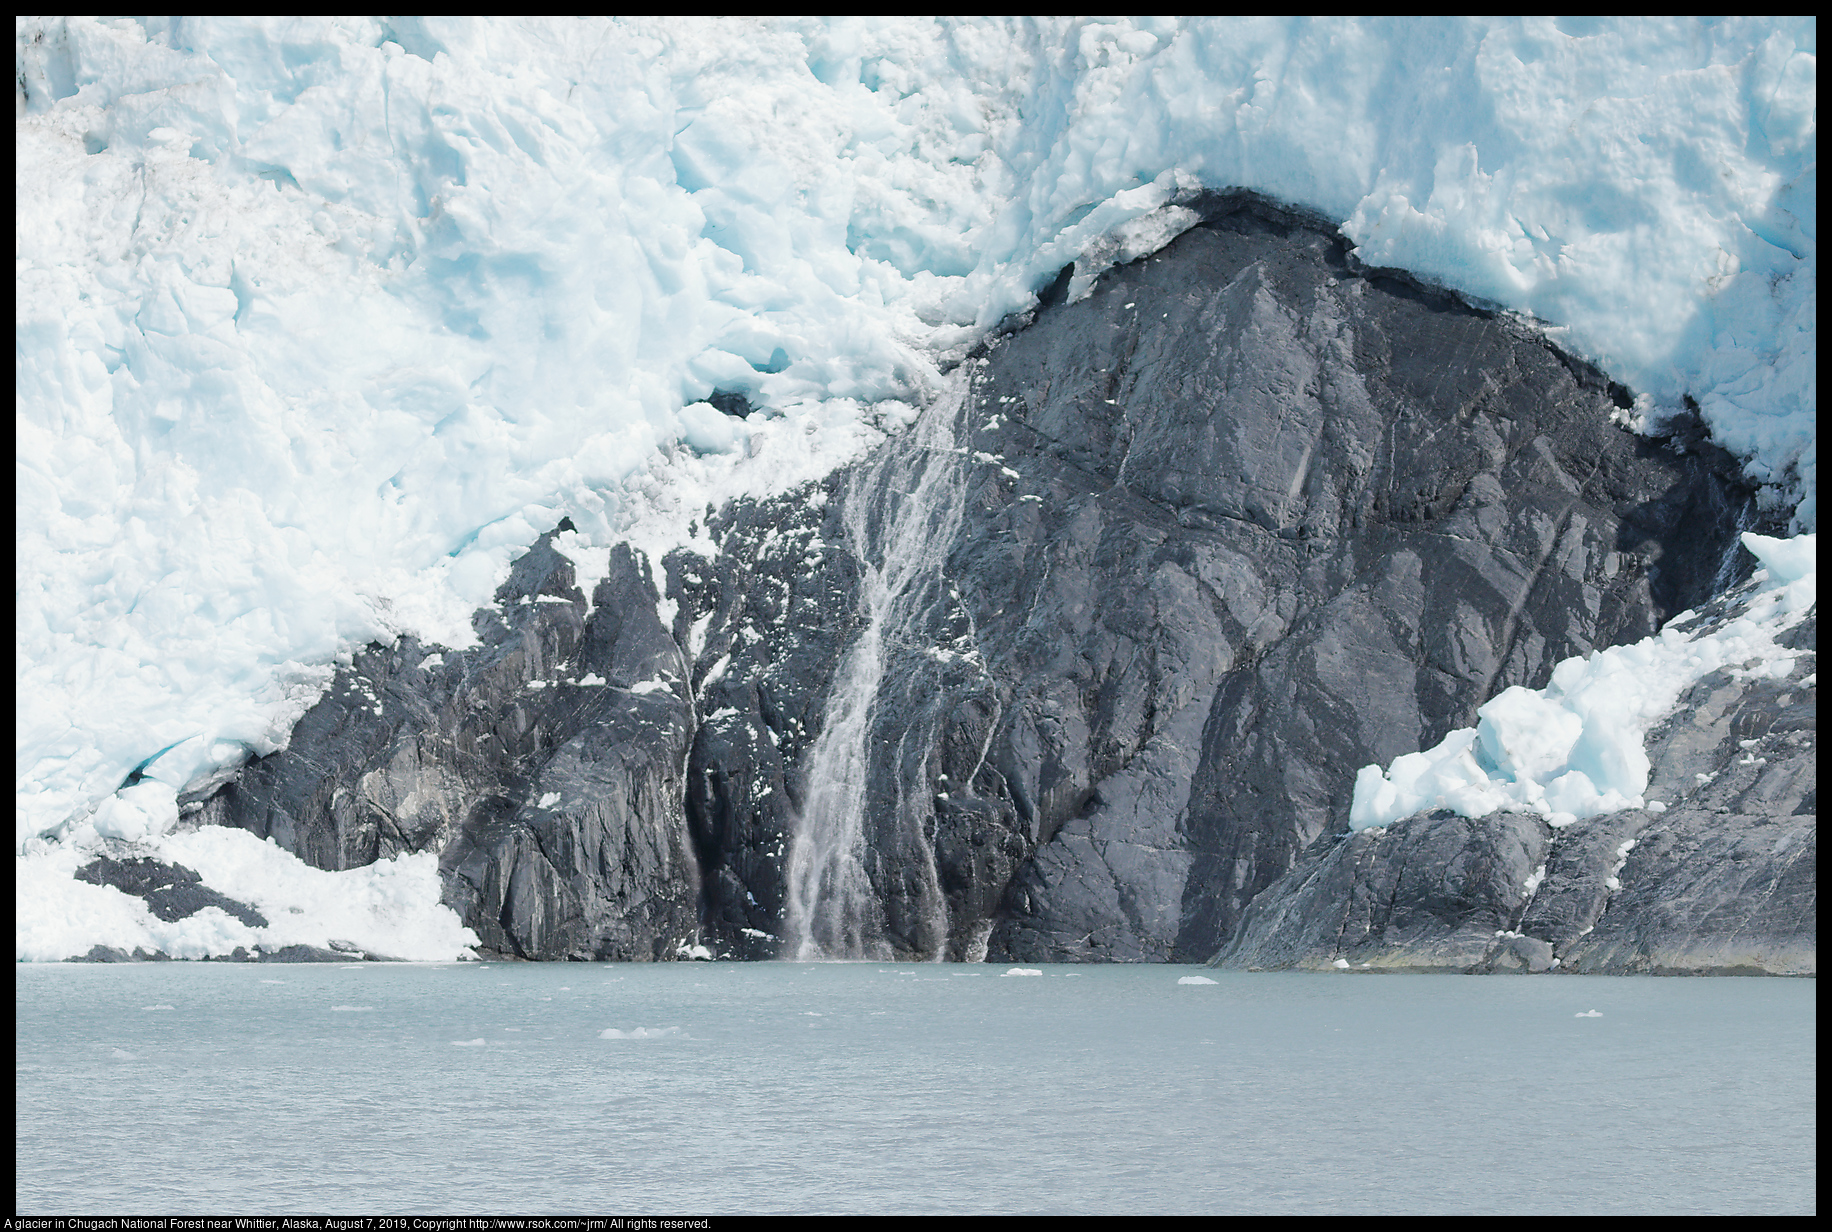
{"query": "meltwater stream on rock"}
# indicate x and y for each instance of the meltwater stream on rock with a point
(850, 897)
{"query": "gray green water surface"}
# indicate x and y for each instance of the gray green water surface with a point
(867, 1087)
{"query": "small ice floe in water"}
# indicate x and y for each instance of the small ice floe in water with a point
(273, 981)
(812, 1014)
(476, 1043)
(159, 1007)
(639, 1033)
(1024, 971)
(121, 1054)
(351, 1009)
(1587, 1014)
(1194, 979)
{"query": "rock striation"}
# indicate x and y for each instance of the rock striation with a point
(1190, 551)
(1720, 882)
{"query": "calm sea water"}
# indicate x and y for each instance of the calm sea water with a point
(493, 1088)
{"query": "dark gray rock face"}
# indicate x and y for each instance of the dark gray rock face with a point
(765, 623)
(1721, 882)
(1243, 520)
(1437, 892)
(171, 891)
(1294, 518)
(1724, 880)
(545, 767)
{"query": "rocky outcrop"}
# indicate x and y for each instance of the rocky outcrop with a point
(545, 766)
(1724, 880)
(171, 891)
(1720, 882)
(1254, 517)
(1192, 549)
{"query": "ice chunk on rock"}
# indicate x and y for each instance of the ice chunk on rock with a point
(1524, 734)
(1575, 749)
(1787, 560)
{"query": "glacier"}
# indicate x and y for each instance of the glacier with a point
(320, 323)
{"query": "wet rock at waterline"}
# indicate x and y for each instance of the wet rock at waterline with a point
(1071, 671)
(1720, 882)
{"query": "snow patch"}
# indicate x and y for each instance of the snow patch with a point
(1613, 882)
(389, 908)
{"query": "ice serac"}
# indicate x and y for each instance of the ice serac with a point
(1722, 881)
(1244, 517)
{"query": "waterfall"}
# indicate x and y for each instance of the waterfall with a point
(1733, 551)
(901, 514)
